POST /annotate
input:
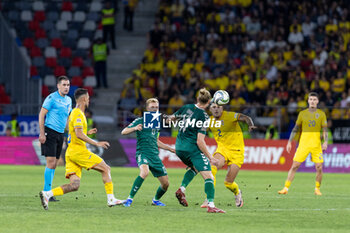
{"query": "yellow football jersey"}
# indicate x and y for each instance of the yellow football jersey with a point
(311, 124)
(77, 119)
(229, 135)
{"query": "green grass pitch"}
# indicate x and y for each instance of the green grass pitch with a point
(86, 210)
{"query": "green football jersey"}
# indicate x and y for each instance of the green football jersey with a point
(146, 139)
(190, 114)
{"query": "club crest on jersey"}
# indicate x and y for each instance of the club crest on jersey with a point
(317, 115)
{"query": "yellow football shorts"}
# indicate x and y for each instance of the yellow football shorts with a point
(231, 156)
(75, 161)
(302, 153)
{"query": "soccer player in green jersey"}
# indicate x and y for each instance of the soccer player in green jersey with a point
(192, 150)
(147, 155)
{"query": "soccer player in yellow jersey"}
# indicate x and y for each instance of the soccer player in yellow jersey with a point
(230, 150)
(310, 122)
(78, 156)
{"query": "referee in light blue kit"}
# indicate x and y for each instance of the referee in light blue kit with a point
(56, 107)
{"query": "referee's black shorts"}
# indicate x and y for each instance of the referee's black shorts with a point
(53, 144)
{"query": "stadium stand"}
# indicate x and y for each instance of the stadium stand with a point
(264, 53)
(56, 35)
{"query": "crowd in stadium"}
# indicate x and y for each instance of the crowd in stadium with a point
(264, 53)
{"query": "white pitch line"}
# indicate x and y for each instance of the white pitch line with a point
(294, 209)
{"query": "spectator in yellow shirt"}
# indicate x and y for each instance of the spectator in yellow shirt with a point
(237, 102)
(219, 56)
(262, 83)
(174, 103)
(331, 26)
(339, 83)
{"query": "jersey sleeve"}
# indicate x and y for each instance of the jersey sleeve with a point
(70, 106)
(78, 121)
(136, 122)
(300, 119)
(203, 130)
(234, 116)
(48, 102)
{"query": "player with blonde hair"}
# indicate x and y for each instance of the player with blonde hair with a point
(192, 149)
(147, 158)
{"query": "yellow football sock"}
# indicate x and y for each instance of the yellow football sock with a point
(233, 187)
(109, 188)
(287, 184)
(214, 170)
(57, 191)
(318, 185)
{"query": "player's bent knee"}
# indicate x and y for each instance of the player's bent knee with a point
(144, 174)
(75, 185)
(165, 186)
(318, 168)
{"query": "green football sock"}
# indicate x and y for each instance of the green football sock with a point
(136, 186)
(160, 192)
(188, 177)
(209, 189)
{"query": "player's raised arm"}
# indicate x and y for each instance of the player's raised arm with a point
(165, 146)
(80, 134)
(248, 120)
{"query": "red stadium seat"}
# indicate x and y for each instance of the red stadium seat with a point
(67, 6)
(35, 52)
(39, 16)
(88, 71)
(56, 43)
(77, 61)
(5, 99)
(34, 25)
(45, 91)
(28, 43)
(40, 33)
(66, 52)
(51, 62)
(59, 70)
(90, 90)
(2, 90)
(77, 81)
(33, 71)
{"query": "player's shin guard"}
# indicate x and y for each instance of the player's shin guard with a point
(214, 170)
(48, 176)
(136, 186)
(209, 189)
(160, 192)
(57, 191)
(188, 177)
(233, 187)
